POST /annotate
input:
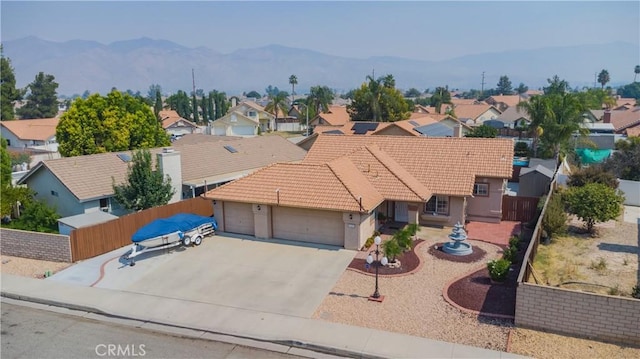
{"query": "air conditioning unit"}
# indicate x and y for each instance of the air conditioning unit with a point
(104, 209)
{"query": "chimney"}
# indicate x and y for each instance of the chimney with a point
(607, 116)
(234, 101)
(169, 164)
(457, 130)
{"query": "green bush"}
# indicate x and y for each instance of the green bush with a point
(514, 242)
(554, 221)
(521, 149)
(404, 240)
(412, 228)
(391, 249)
(498, 269)
(635, 292)
(510, 254)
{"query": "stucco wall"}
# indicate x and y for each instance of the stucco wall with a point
(576, 313)
(487, 209)
(631, 190)
(456, 213)
(66, 204)
(35, 245)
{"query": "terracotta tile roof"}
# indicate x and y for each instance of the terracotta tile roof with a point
(633, 131)
(347, 128)
(625, 118)
(625, 101)
(387, 176)
(337, 116)
(509, 100)
(89, 177)
(336, 186)
(470, 111)
(445, 166)
(464, 101)
(170, 117)
(36, 129)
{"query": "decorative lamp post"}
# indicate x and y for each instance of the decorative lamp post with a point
(376, 294)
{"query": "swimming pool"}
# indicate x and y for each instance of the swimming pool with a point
(521, 161)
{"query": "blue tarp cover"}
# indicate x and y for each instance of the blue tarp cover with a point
(181, 222)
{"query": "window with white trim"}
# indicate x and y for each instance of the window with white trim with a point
(437, 205)
(481, 189)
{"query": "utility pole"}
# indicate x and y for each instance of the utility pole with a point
(482, 85)
(193, 79)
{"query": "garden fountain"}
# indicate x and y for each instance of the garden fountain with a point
(457, 246)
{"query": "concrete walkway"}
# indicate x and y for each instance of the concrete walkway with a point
(185, 316)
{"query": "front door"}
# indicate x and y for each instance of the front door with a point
(402, 212)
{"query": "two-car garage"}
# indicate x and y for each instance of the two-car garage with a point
(296, 224)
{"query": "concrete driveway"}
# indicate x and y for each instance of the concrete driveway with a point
(270, 276)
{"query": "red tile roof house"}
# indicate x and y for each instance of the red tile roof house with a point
(623, 120)
(36, 137)
(175, 125)
(83, 184)
(333, 196)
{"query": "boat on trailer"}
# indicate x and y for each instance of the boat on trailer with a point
(180, 229)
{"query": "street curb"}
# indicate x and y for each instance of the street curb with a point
(290, 343)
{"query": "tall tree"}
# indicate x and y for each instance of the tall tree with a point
(253, 94)
(522, 89)
(5, 169)
(194, 105)
(319, 99)
(539, 111)
(42, 100)
(293, 80)
(220, 104)
(504, 86)
(8, 92)
(441, 95)
(603, 78)
(379, 101)
(277, 103)
(412, 92)
(157, 107)
(145, 187)
(556, 85)
(180, 103)
(203, 105)
(152, 93)
(625, 162)
(636, 71)
(117, 122)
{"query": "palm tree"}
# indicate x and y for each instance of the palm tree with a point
(566, 120)
(603, 78)
(293, 80)
(319, 99)
(539, 112)
(375, 95)
(636, 71)
(277, 103)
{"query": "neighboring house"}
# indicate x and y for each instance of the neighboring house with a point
(83, 184)
(348, 180)
(514, 118)
(244, 120)
(35, 137)
(623, 120)
(633, 131)
(593, 115)
(474, 115)
(337, 116)
(464, 101)
(503, 102)
(175, 125)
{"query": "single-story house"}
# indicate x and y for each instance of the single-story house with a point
(513, 118)
(83, 184)
(336, 116)
(345, 183)
(623, 120)
(175, 125)
(36, 137)
(244, 120)
(474, 115)
(503, 102)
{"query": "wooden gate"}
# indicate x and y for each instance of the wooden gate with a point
(519, 209)
(101, 238)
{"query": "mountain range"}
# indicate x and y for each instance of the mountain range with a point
(80, 65)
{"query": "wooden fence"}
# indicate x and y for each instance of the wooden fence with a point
(519, 209)
(101, 238)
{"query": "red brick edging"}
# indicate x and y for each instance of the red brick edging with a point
(420, 264)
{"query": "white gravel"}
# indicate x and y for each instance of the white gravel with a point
(414, 303)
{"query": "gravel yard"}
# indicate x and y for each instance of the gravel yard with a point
(30, 267)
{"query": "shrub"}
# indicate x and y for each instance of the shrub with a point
(413, 229)
(521, 149)
(369, 242)
(498, 269)
(391, 249)
(510, 254)
(635, 292)
(600, 265)
(514, 242)
(594, 202)
(404, 240)
(554, 221)
(592, 174)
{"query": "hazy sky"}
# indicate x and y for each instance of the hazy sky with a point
(426, 30)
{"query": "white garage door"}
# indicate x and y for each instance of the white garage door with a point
(243, 130)
(219, 130)
(238, 218)
(305, 225)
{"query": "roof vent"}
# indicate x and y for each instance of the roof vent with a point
(230, 149)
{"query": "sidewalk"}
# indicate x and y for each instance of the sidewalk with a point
(325, 337)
